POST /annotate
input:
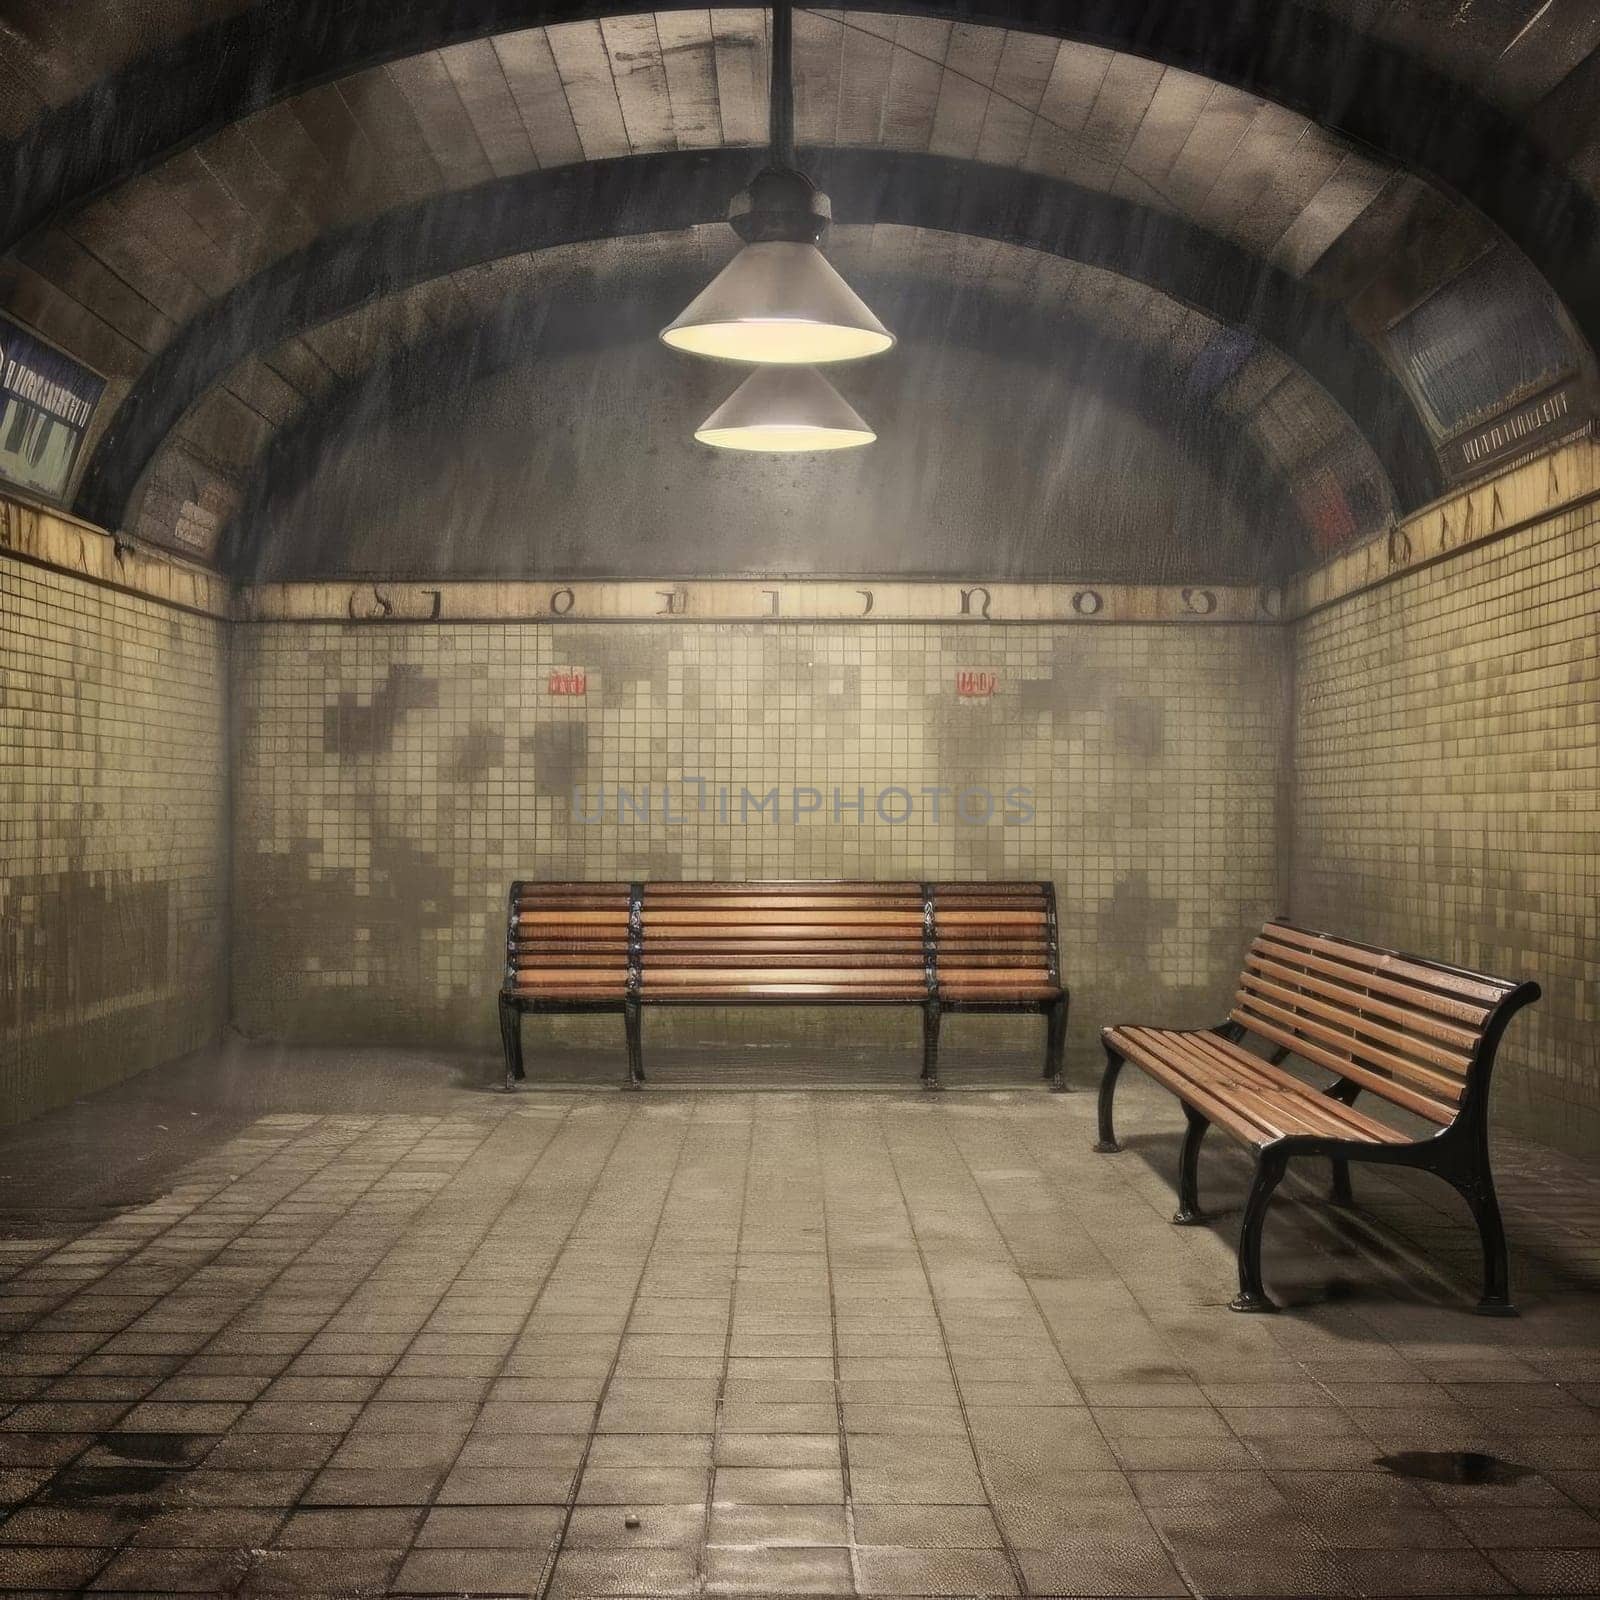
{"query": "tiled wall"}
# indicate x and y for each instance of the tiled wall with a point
(1447, 790)
(393, 778)
(113, 835)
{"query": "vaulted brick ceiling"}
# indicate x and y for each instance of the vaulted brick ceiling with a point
(450, 103)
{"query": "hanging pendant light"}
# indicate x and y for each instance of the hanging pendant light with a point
(785, 410)
(779, 302)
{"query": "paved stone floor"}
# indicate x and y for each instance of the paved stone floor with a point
(330, 1325)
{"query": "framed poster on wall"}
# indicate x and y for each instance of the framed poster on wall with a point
(46, 402)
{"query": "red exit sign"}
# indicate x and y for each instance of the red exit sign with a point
(569, 681)
(975, 683)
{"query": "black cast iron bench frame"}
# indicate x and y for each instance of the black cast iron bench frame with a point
(1457, 1152)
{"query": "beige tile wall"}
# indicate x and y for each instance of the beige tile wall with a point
(393, 778)
(1447, 790)
(113, 835)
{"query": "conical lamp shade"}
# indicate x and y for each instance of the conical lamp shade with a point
(779, 304)
(785, 410)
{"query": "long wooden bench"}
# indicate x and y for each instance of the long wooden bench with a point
(1417, 1034)
(619, 947)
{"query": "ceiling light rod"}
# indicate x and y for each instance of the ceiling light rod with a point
(780, 100)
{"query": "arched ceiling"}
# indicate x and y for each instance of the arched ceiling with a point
(676, 189)
(1156, 446)
(185, 169)
(1270, 442)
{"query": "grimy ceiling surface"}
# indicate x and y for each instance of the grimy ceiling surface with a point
(1383, 215)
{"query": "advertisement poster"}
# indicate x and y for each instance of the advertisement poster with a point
(46, 401)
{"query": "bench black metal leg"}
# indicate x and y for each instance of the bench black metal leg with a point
(631, 1027)
(1108, 1089)
(511, 1040)
(1055, 1045)
(1252, 1296)
(1478, 1191)
(1342, 1194)
(1188, 1212)
(932, 1014)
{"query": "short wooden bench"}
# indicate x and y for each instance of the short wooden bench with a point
(619, 947)
(1417, 1034)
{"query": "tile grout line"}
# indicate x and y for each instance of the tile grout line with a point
(727, 1355)
(833, 1331)
(1012, 1558)
(553, 1556)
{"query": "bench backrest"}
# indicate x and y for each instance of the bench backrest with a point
(823, 940)
(827, 940)
(1416, 1032)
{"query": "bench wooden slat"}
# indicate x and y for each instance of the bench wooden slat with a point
(570, 975)
(784, 886)
(615, 990)
(563, 958)
(780, 925)
(734, 992)
(1453, 1062)
(1027, 897)
(584, 918)
(529, 889)
(1018, 972)
(1022, 949)
(712, 904)
(559, 939)
(1390, 964)
(986, 917)
(844, 916)
(767, 960)
(982, 963)
(1032, 989)
(826, 946)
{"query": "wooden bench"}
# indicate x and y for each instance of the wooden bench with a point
(618, 947)
(1417, 1034)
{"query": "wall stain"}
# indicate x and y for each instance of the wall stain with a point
(1139, 726)
(480, 749)
(559, 751)
(79, 939)
(352, 729)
